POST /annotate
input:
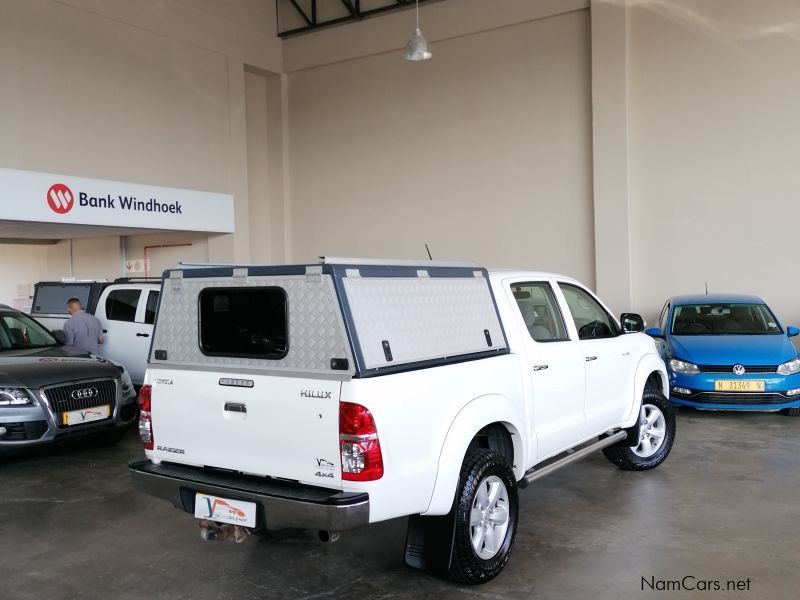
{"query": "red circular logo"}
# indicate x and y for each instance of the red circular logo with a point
(60, 198)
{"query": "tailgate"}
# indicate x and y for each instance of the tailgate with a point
(271, 425)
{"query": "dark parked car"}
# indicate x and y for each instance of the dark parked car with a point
(49, 391)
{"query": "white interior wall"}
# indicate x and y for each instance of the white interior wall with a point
(151, 93)
(368, 154)
(23, 265)
(714, 133)
(484, 152)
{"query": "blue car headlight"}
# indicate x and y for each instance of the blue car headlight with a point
(683, 367)
(790, 367)
(14, 397)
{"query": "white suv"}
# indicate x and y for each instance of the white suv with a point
(126, 308)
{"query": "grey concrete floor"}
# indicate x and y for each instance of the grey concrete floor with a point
(724, 506)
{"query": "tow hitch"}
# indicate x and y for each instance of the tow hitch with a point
(221, 532)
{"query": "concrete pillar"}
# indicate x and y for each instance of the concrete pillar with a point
(610, 153)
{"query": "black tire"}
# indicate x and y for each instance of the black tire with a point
(467, 566)
(792, 412)
(623, 454)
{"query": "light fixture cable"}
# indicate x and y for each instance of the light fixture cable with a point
(417, 46)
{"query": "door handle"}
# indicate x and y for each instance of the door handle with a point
(142, 335)
(590, 358)
(235, 407)
(540, 367)
(105, 330)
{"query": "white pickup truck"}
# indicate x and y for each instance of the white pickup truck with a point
(125, 307)
(335, 395)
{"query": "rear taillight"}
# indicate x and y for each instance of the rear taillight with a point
(145, 419)
(359, 444)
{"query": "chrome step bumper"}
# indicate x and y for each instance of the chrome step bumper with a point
(281, 504)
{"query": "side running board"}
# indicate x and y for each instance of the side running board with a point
(570, 456)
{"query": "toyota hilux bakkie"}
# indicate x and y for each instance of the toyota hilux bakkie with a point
(330, 396)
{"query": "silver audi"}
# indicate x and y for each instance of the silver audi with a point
(51, 392)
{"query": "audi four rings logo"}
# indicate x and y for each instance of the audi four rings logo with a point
(60, 198)
(738, 370)
(85, 393)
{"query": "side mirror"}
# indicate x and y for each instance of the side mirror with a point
(654, 332)
(60, 336)
(792, 331)
(631, 322)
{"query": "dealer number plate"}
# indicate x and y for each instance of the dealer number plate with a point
(223, 510)
(739, 385)
(86, 415)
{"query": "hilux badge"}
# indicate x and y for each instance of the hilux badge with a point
(738, 369)
(314, 394)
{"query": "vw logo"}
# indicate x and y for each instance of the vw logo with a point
(738, 370)
(85, 394)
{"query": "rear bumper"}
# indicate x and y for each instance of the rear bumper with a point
(281, 504)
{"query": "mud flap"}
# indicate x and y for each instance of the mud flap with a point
(633, 435)
(429, 543)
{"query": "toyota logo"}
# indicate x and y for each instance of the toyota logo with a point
(738, 370)
(85, 394)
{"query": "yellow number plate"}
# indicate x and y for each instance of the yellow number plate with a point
(739, 385)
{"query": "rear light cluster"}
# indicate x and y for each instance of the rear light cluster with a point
(145, 418)
(358, 440)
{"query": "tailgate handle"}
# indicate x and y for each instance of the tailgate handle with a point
(235, 407)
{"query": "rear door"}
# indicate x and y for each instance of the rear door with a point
(555, 364)
(124, 313)
(229, 416)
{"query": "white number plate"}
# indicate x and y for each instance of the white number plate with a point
(223, 510)
(86, 415)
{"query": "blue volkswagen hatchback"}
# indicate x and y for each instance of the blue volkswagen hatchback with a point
(728, 352)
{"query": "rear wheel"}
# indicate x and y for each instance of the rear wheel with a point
(655, 437)
(486, 514)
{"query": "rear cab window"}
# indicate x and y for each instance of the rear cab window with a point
(249, 322)
(51, 299)
(540, 311)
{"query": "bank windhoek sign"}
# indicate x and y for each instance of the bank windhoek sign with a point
(33, 196)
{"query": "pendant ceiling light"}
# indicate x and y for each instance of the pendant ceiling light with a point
(417, 46)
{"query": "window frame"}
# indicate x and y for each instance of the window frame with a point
(556, 304)
(661, 322)
(113, 291)
(615, 326)
(202, 347)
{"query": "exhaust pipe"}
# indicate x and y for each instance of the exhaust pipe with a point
(328, 537)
